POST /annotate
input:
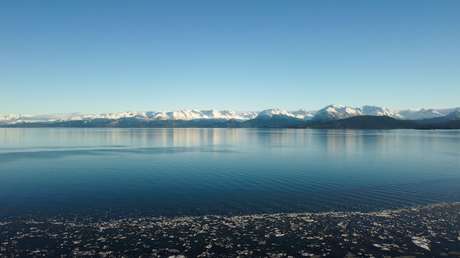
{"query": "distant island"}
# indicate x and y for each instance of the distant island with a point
(330, 117)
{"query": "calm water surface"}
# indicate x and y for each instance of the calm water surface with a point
(223, 171)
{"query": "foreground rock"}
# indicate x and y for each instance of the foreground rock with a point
(430, 231)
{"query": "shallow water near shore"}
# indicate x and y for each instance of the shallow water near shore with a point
(175, 172)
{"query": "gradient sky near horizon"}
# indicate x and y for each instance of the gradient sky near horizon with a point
(106, 56)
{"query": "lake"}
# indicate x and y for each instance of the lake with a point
(172, 172)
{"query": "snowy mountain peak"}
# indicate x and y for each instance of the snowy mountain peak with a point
(378, 111)
(197, 114)
(269, 113)
(303, 114)
(454, 115)
(330, 112)
(420, 114)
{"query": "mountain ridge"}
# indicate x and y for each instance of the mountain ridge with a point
(273, 116)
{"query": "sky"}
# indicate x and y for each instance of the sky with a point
(107, 56)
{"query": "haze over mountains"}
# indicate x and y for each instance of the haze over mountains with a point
(227, 118)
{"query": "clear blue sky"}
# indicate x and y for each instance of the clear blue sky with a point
(104, 56)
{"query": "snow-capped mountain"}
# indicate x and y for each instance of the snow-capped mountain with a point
(150, 115)
(303, 114)
(197, 114)
(378, 111)
(42, 118)
(298, 114)
(454, 115)
(421, 114)
(269, 113)
(331, 112)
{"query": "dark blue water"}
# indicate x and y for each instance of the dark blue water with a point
(223, 171)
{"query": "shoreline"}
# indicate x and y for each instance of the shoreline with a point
(429, 230)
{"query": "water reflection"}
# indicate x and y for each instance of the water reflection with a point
(197, 171)
(331, 142)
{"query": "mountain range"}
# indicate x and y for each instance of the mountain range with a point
(332, 116)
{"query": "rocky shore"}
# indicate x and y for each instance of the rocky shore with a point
(428, 231)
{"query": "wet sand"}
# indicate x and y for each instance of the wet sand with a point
(428, 231)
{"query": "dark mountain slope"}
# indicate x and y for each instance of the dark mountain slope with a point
(276, 121)
(365, 122)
